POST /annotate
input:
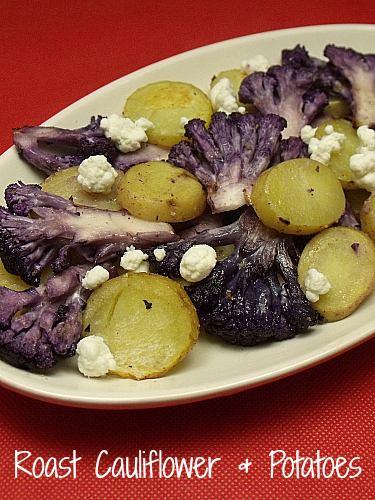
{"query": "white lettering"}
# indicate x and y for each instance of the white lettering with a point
(299, 466)
(143, 466)
(359, 469)
(273, 464)
(97, 474)
(48, 468)
(17, 462)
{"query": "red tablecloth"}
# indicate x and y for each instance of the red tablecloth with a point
(53, 53)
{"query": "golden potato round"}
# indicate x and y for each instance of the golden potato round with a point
(147, 321)
(357, 198)
(234, 75)
(299, 196)
(64, 183)
(346, 257)
(159, 191)
(367, 215)
(165, 103)
(339, 161)
(337, 108)
(224, 251)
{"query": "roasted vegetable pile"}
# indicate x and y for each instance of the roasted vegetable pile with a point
(233, 211)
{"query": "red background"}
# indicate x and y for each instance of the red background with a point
(53, 53)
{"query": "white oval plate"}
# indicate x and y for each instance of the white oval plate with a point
(212, 368)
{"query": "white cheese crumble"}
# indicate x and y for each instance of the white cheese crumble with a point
(223, 97)
(183, 121)
(96, 174)
(307, 133)
(135, 260)
(95, 277)
(159, 254)
(197, 262)
(366, 136)
(316, 284)
(321, 149)
(257, 63)
(126, 134)
(362, 163)
(94, 357)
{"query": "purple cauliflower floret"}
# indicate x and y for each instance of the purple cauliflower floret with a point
(51, 149)
(207, 220)
(253, 295)
(22, 198)
(86, 141)
(216, 236)
(147, 152)
(39, 326)
(229, 155)
(359, 72)
(40, 229)
(290, 149)
(298, 57)
(293, 90)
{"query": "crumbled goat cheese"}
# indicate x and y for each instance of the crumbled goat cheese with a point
(366, 136)
(362, 163)
(95, 277)
(307, 133)
(135, 260)
(96, 175)
(197, 262)
(159, 254)
(316, 284)
(257, 63)
(94, 357)
(321, 149)
(183, 121)
(126, 134)
(223, 97)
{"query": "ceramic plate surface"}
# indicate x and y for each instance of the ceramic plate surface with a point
(212, 368)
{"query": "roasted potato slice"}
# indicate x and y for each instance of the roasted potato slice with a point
(337, 108)
(339, 162)
(300, 196)
(147, 321)
(367, 215)
(159, 191)
(235, 76)
(356, 199)
(346, 257)
(64, 183)
(165, 103)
